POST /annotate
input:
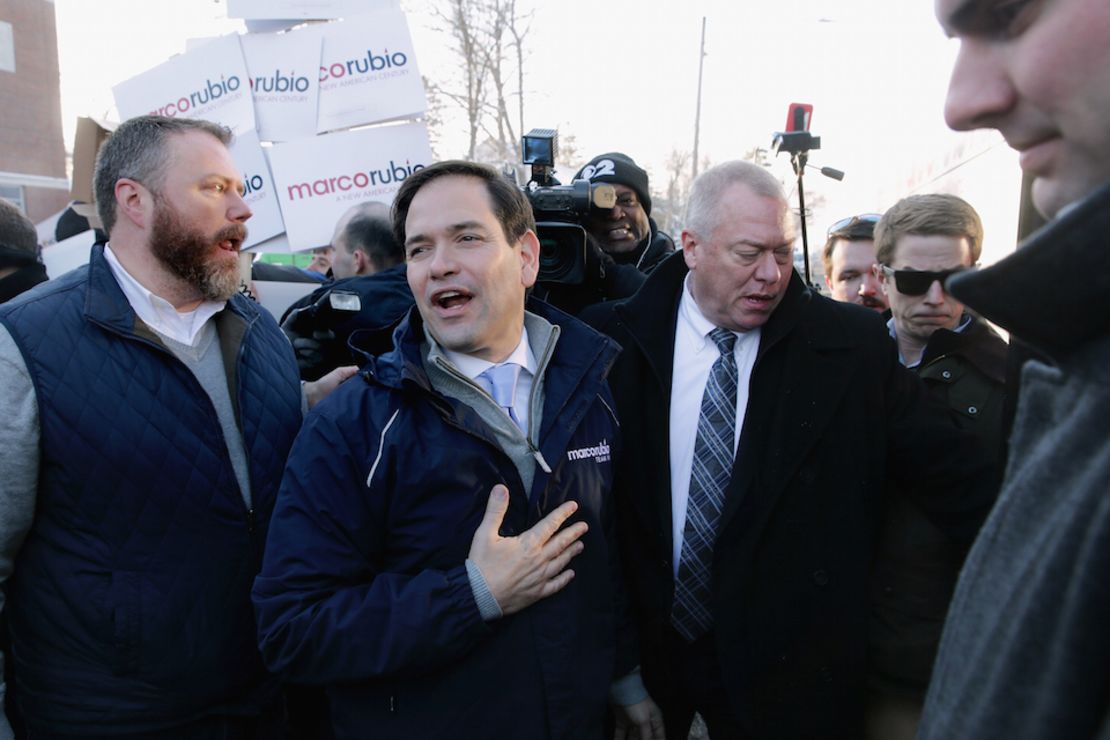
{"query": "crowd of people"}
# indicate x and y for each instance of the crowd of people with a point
(441, 498)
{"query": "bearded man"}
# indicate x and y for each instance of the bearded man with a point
(148, 410)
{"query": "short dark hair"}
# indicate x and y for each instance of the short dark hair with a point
(510, 206)
(858, 230)
(137, 150)
(372, 234)
(19, 242)
(928, 214)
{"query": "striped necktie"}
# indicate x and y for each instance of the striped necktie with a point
(714, 450)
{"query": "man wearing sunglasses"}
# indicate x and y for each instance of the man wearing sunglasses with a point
(848, 258)
(920, 242)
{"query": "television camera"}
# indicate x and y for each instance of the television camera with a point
(559, 210)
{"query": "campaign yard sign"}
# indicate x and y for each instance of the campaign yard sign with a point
(209, 82)
(282, 69)
(260, 194)
(319, 179)
(302, 9)
(368, 72)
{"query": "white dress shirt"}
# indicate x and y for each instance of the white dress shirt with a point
(472, 367)
(694, 355)
(158, 313)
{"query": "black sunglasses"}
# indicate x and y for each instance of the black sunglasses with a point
(918, 282)
(846, 223)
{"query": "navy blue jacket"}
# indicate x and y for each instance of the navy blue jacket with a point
(130, 602)
(364, 587)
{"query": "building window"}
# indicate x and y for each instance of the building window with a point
(14, 195)
(7, 48)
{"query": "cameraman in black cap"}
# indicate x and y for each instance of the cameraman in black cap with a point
(625, 232)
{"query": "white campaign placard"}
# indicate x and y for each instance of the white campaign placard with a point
(279, 243)
(276, 296)
(283, 69)
(368, 72)
(318, 179)
(302, 9)
(261, 196)
(68, 254)
(210, 82)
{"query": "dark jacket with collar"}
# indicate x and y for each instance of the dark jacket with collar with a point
(832, 417)
(1026, 645)
(129, 605)
(916, 565)
(364, 587)
(384, 298)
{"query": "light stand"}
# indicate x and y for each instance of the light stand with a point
(799, 144)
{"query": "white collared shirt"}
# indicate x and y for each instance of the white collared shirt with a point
(158, 313)
(694, 355)
(472, 367)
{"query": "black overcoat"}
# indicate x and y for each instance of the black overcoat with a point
(833, 421)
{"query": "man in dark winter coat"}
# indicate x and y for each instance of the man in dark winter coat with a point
(747, 516)
(428, 606)
(1026, 648)
(919, 242)
(148, 409)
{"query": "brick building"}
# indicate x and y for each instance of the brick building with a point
(32, 150)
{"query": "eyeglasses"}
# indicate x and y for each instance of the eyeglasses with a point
(846, 223)
(918, 282)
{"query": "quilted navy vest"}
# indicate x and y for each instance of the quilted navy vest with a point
(130, 603)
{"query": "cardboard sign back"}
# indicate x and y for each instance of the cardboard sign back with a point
(86, 144)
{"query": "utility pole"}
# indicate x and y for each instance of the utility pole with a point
(697, 114)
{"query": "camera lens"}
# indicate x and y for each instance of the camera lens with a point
(562, 252)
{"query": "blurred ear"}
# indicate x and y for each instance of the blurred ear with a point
(690, 244)
(529, 258)
(363, 265)
(134, 202)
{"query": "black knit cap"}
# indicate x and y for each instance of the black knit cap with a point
(618, 168)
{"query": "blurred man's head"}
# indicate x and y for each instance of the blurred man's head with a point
(321, 260)
(849, 258)
(919, 242)
(1039, 72)
(363, 242)
(623, 227)
(19, 242)
(171, 199)
(472, 253)
(739, 245)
